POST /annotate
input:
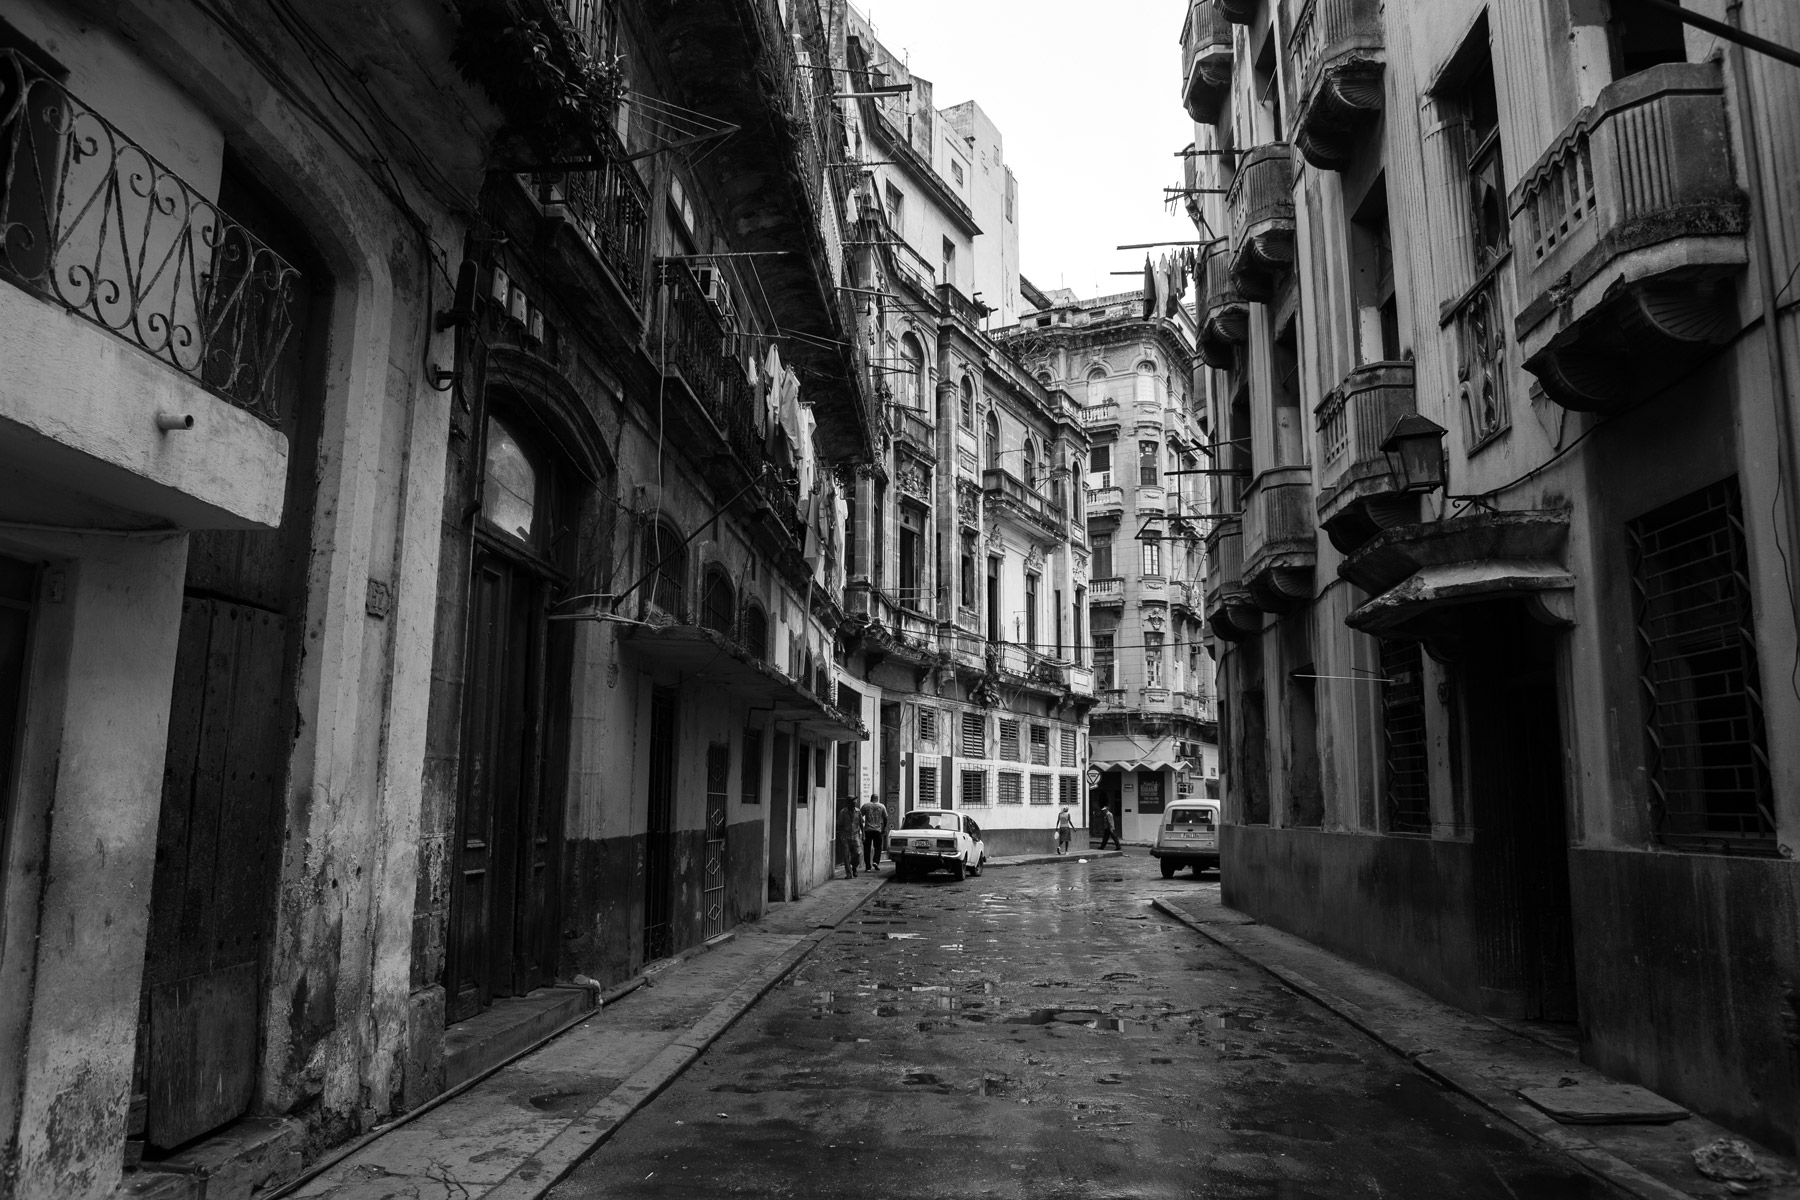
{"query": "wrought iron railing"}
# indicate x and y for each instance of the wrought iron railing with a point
(958, 304)
(1000, 482)
(611, 209)
(688, 338)
(91, 220)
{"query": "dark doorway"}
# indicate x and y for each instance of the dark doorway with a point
(659, 839)
(718, 772)
(1525, 933)
(781, 813)
(891, 756)
(1107, 795)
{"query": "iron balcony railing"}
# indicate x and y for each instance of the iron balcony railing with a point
(958, 304)
(92, 221)
(611, 208)
(1000, 482)
(912, 427)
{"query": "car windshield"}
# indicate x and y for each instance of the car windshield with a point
(930, 820)
(1190, 816)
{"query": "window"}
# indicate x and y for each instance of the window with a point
(949, 275)
(896, 206)
(1012, 189)
(1153, 660)
(1009, 740)
(509, 493)
(750, 769)
(1149, 464)
(1642, 37)
(1096, 387)
(1152, 556)
(1484, 164)
(974, 787)
(1056, 607)
(928, 787)
(1040, 789)
(911, 535)
(1372, 266)
(1705, 743)
(956, 172)
(928, 724)
(966, 573)
(1070, 790)
(1009, 788)
(974, 735)
(665, 561)
(1030, 467)
(1403, 737)
(990, 457)
(1068, 748)
(1078, 650)
(1040, 745)
(719, 603)
(1100, 463)
(911, 376)
(1103, 662)
(819, 765)
(993, 600)
(1031, 610)
(756, 632)
(966, 399)
(1103, 557)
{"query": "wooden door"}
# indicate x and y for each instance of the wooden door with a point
(718, 770)
(781, 814)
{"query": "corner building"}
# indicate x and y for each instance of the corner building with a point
(1504, 625)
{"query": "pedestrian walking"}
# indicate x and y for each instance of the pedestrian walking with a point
(1065, 829)
(847, 822)
(874, 831)
(1108, 829)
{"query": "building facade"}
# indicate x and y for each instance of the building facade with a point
(1505, 618)
(1153, 734)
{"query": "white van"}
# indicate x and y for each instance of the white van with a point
(1188, 837)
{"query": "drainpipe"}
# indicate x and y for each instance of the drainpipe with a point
(1762, 238)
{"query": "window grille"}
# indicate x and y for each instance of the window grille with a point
(1009, 741)
(1040, 789)
(1009, 788)
(928, 725)
(1071, 790)
(1403, 738)
(1068, 747)
(928, 789)
(974, 787)
(1103, 661)
(1040, 745)
(974, 735)
(1703, 720)
(750, 785)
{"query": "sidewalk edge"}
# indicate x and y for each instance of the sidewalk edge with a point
(1441, 1067)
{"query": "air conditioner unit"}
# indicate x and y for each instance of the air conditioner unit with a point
(717, 290)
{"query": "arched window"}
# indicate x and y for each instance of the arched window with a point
(756, 632)
(1096, 388)
(968, 403)
(665, 561)
(1144, 387)
(1030, 468)
(719, 602)
(912, 372)
(991, 443)
(509, 493)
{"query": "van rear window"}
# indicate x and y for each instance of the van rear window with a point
(1190, 816)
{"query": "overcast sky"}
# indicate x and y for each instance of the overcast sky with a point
(1088, 98)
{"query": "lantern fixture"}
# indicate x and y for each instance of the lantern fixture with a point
(1414, 448)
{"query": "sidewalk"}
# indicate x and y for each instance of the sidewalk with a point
(515, 1133)
(1488, 1062)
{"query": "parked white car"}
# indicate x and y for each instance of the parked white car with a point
(934, 840)
(1188, 837)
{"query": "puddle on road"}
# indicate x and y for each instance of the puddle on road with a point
(904, 937)
(1233, 1021)
(1085, 1018)
(570, 1101)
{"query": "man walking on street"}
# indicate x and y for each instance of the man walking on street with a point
(1065, 828)
(874, 827)
(1108, 829)
(847, 822)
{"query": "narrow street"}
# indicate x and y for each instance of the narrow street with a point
(1041, 1031)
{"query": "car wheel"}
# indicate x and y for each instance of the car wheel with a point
(958, 870)
(1168, 868)
(979, 863)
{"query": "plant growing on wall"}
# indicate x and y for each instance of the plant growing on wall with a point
(558, 99)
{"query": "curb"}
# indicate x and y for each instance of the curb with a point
(1446, 1070)
(558, 1157)
(1027, 860)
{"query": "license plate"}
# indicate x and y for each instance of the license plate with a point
(922, 845)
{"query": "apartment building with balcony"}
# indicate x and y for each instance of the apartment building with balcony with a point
(1491, 324)
(1152, 734)
(967, 559)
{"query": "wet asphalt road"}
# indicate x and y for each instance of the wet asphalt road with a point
(1041, 1032)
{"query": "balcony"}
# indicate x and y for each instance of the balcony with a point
(1106, 591)
(913, 429)
(1356, 493)
(1240, 12)
(1261, 203)
(1105, 501)
(1150, 499)
(1280, 544)
(607, 211)
(1224, 316)
(1205, 61)
(1229, 611)
(960, 306)
(1627, 232)
(1002, 489)
(1338, 60)
(1027, 665)
(91, 222)
(1104, 414)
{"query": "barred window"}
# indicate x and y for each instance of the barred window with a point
(1703, 720)
(1071, 790)
(1068, 747)
(1040, 789)
(750, 785)
(1403, 737)
(974, 787)
(1009, 741)
(928, 789)
(974, 735)
(1040, 745)
(1009, 788)
(928, 724)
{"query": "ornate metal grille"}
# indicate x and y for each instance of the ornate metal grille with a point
(1070, 789)
(928, 788)
(91, 220)
(1703, 715)
(1010, 792)
(1403, 738)
(974, 787)
(1040, 789)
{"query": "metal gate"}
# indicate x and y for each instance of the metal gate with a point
(659, 844)
(718, 767)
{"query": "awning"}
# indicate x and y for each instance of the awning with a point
(1403, 610)
(1158, 756)
(708, 657)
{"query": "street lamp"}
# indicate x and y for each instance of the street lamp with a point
(1414, 448)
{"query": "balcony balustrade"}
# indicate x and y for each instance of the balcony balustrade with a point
(689, 339)
(92, 221)
(1224, 316)
(609, 209)
(914, 429)
(1104, 591)
(1627, 231)
(1261, 203)
(1229, 610)
(1338, 59)
(1280, 538)
(1000, 485)
(1025, 662)
(1240, 12)
(959, 305)
(1150, 499)
(1104, 500)
(1357, 498)
(1205, 61)
(1103, 414)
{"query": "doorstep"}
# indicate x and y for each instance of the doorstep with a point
(245, 1158)
(507, 1028)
